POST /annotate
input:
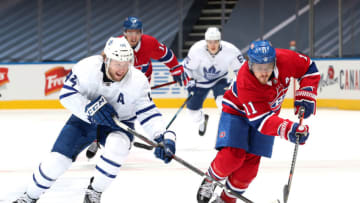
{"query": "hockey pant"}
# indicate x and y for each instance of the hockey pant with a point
(74, 137)
(200, 94)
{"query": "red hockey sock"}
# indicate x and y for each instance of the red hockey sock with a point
(226, 198)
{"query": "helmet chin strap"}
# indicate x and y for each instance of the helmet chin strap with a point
(107, 64)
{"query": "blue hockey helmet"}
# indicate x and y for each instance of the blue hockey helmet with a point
(261, 52)
(132, 23)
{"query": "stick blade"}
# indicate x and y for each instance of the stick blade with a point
(286, 193)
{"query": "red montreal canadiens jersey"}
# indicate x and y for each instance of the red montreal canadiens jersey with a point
(149, 48)
(261, 104)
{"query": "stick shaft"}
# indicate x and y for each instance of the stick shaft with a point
(178, 159)
(162, 85)
(293, 162)
(178, 111)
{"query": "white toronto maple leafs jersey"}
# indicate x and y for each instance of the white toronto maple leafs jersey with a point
(207, 69)
(130, 97)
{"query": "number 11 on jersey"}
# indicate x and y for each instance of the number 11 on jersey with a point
(253, 110)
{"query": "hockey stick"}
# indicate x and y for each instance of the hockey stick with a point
(181, 161)
(162, 85)
(144, 146)
(287, 187)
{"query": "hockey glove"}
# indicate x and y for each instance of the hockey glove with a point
(167, 146)
(191, 86)
(100, 112)
(178, 74)
(290, 131)
(307, 98)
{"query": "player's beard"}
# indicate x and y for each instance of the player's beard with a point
(263, 78)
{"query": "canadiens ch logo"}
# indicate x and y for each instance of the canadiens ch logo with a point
(222, 134)
(329, 80)
(211, 73)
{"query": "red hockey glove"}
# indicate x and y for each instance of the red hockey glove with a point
(307, 98)
(179, 75)
(290, 130)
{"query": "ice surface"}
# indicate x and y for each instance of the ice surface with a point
(327, 169)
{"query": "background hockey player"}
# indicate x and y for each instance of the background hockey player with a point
(147, 47)
(249, 121)
(97, 89)
(208, 63)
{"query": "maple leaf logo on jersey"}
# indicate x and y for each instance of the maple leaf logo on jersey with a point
(211, 73)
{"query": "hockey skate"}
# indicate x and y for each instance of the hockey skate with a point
(25, 199)
(205, 192)
(92, 196)
(91, 151)
(202, 128)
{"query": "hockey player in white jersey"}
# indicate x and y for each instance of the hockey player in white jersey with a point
(208, 63)
(97, 89)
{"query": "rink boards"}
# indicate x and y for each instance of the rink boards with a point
(37, 85)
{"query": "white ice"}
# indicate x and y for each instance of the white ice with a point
(327, 168)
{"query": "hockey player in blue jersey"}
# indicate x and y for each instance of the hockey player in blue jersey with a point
(208, 63)
(97, 89)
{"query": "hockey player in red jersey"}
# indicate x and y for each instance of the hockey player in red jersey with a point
(147, 47)
(250, 116)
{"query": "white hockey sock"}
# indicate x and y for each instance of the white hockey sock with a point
(116, 149)
(46, 174)
(218, 102)
(196, 115)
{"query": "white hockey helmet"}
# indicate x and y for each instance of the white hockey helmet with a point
(212, 33)
(118, 48)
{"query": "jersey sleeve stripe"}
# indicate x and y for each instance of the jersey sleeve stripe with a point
(69, 88)
(144, 67)
(168, 56)
(310, 72)
(233, 106)
(66, 95)
(150, 117)
(233, 89)
(145, 109)
(263, 121)
(173, 68)
(254, 119)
